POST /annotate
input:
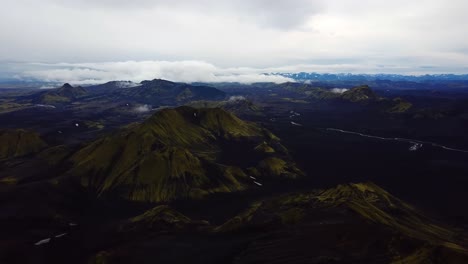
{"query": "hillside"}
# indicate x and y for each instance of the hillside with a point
(182, 152)
(17, 143)
(352, 222)
(238, 105)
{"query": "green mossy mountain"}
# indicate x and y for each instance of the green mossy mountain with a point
(405, 234)
(367, 200)
(239, 106)
(398, 105)
(359, 94)
(161, 218)
(19, 142)
(182, 153)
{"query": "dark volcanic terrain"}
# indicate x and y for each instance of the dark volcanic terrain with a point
(164, 172)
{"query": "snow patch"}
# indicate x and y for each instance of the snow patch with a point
(295, 124)
(61, 235)
(415, 147)
(236, 98)
(42, 242)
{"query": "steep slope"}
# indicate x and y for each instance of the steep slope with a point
(179, 153)
(161, 218)
(235, 104)
(354, 223)
(16, 143)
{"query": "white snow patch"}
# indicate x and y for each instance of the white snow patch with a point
(45, 106)
(42, 242)
(295, 124)
(61, 235)
(415, 147)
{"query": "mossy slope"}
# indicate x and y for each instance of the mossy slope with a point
(360, 205)
(239, 106)
(181, 153)
(16, 143)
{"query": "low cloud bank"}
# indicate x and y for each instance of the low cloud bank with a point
(142, 108)
(236, 98)
(137, 71)
(339, 90)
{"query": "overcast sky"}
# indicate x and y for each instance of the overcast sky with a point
(221, 40)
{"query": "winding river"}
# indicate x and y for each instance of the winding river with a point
(416, 144)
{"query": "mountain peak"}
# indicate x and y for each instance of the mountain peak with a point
(179, 153)
(66, 86)
(359, 94)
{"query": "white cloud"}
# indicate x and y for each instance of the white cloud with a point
(279, 14)
(178, 71)
(339, 90)
(142, 109)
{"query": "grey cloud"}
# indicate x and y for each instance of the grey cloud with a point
(281, 14)
(324, 35)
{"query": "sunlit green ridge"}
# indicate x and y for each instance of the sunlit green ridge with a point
(181, 152)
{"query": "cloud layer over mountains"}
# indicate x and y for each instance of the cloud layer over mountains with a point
(368, 36)
(179, 71)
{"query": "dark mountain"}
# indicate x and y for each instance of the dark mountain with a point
(183, 152)
(168, 93)
(64, 94)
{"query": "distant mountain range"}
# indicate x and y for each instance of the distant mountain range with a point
(148, 92)
(313, 76)
(296, 76)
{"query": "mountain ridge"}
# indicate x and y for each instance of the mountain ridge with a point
(180, 152)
